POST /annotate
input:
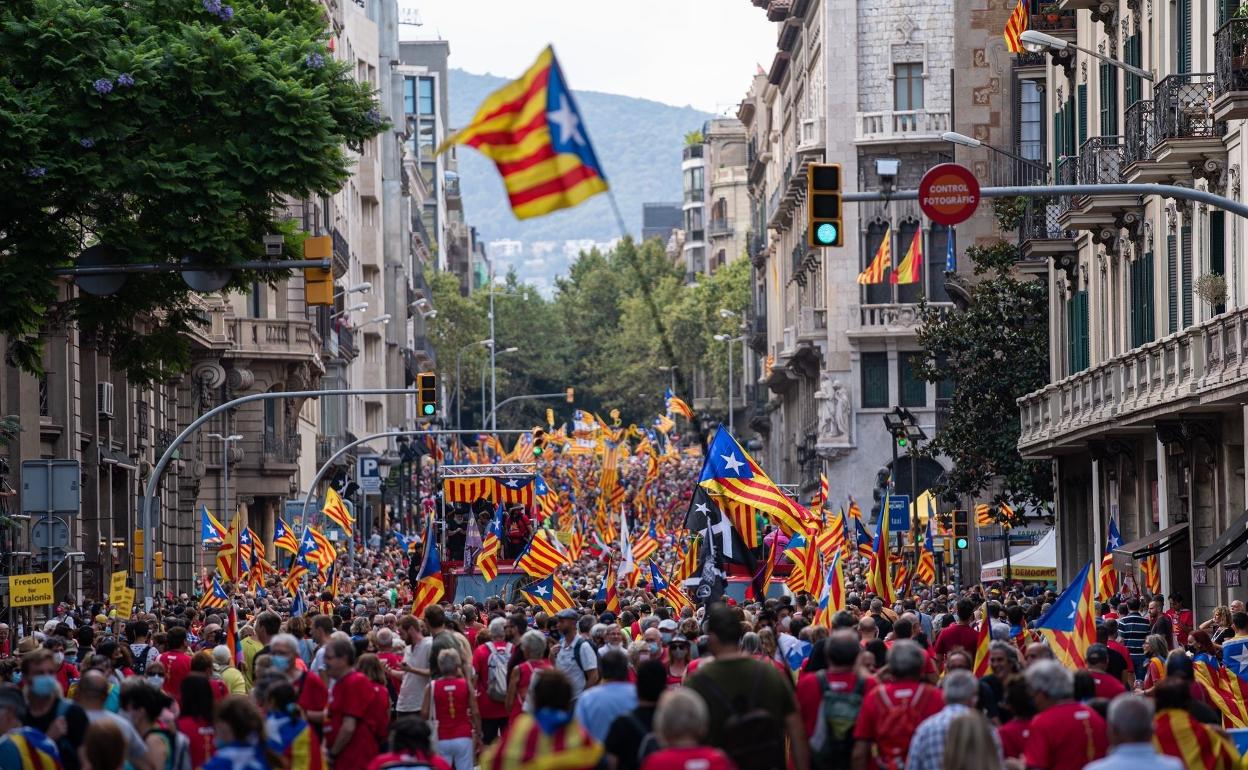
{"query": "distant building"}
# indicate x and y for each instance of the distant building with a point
(506, 247)
(658, 220)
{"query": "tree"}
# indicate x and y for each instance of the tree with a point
(158, 129)
(993, 352)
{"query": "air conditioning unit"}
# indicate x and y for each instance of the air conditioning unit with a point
(104, 399)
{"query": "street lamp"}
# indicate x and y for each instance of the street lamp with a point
(358, 288)
(225, 469)
(493, 382)
(458, 397)
(352, 309)
(953, 137)
(1036, 41)
(672, 372)
(728, 339)
(381, 319)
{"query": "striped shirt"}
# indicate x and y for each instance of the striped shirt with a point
(1133, 628)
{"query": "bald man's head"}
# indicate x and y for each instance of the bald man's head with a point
(92, 690)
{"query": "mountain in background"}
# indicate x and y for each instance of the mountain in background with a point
(639, 143)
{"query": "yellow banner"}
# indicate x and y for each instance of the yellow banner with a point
(30, 590)
(564, 536)
(117, 584)
(124, 603)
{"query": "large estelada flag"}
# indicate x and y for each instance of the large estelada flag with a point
(1070, 624)
(533, 131)
(731, 472)
(1107, 583)
(879, 572)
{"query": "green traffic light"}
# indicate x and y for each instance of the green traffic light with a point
(537, 450)
(963, 543)
(430, 409)
(825, 234)
(901, 441)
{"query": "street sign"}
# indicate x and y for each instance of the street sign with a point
(51, 486)
(30, 590)
(368, 474)
(988, 538)
(51, 532)
(948, 194)
(898, 513)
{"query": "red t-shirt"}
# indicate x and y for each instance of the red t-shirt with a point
(450, 708)
(177, 665)
(200, 733)
(1182, 622)
(878, 721)
(691, 758)
(313, 692)
(68, 672)
(489, 708)
(351, 696)
(810, 694)
(1065, 737)
(1122, 650)
(395, 761)
(525, 676)
(379, 714)
(1013, 735)
(956, 636)
(1107, 686)
(392, 660)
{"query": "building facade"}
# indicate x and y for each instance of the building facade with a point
(1143, 419)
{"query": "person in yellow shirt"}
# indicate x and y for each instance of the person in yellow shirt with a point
(224, 668)
(251, 647)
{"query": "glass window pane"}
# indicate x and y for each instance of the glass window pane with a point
(911, 389)
(426, 96)
(409, 95)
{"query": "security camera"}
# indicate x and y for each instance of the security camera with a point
(886, 169)
(273, 245)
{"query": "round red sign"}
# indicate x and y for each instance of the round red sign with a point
(949, 194)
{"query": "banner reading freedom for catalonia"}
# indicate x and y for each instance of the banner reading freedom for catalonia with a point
(30, 590)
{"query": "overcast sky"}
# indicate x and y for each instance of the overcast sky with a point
(682, 52)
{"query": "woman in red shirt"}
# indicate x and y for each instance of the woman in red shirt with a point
(1014, 733)
(450, 700)
(680, 722)
(677, 660)
(533, 646)
(379, 715)
(195, 719)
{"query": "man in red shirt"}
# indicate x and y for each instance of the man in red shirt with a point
(841, 650)
(348, 740)
(177, 662)
(313, 692)
(960, 634)
(1097, 659)
(1065, 735)
(495, 652)
(1181, 619)
(893, 710)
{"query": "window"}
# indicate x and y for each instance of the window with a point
(270, 418)
(1083, 116)
(1077, 332)
(1030, 120)
(877, 293)
(874, 380)
(1217, 249)
(945, 388)
(907, 87)
(425, 96)
(911, 389)
(1172, 281)
(409, 96)
(1109, 100)
(1185, 246)
(1183, 36)
(1142, 300)
(372, 349)
(908, 293)
(1131, 55)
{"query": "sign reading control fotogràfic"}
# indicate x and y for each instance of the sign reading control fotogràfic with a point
(30, 590)
(949, 194)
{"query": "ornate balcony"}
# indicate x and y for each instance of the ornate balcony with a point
(1051, 21)
(1040, 235)
(892, 319)
(1101, 160)
(1187, 131)
(1230, 64)
(901, 126)
(1200, 367)
(271, 339)
(1141, 132)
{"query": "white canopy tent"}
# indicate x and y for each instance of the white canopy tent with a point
(1038, 562)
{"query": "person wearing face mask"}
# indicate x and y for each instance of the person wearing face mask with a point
(64, 722)
(677, 659)
(653, 639)
(313, 692)
(66, 672)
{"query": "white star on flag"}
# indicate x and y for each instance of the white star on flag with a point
(540, 590)
(567, 122)
(1241, 659)
(702, 509)
(732, 463)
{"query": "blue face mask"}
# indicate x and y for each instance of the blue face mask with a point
(279, 663)
(43, 686)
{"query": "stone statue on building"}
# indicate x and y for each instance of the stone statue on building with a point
(834, 411)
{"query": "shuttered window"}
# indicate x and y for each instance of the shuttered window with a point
(1172, 281)
(1077, 331)
(1142, 300)
(1109, 100)
(874, 380)
(938, 240)
(912, 391)
(878, 293)
(1083, 116)
(1217, 250)
(1185, 252)
(1131, 53)
(1183, 35)
(908, 293)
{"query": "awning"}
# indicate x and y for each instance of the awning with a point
(1036, 563)
(1230, 540)
(1127, 554)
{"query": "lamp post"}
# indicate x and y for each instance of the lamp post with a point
(953, 137)
(726, 338)
(225, 468)
(458, 395)
(493, 383)
(1036, 41)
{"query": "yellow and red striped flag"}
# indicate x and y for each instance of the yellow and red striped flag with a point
(429, 584)
(549, 594)
(491, 545)
(982, 642)
(228, 564)
(880, 264)
(911, 268)
(216, 598)
(540, 558)
(1177, 733)
(677, 405)
(1070, 624)
(730, 471)
(1015, 27)
(535, 135)
(337, 512)
(832, 600)
(1150, 574)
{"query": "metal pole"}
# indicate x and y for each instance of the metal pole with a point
(892, 485)
(730, 424)
(459, 407)
(483, 418)
(225, 478)
(914, 501)
(493, 416)
(493, 355)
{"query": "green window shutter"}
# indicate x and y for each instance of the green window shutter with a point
(1183, 34)
(1134, 89)
(912, 390)
(1059, 131)
(1172, 287)
(1185, 246)
(1084, 358)
(1142, 300)
(1083, 115)
(1217, 250)
(1109, 100)
(874, 380)
(1077, 332)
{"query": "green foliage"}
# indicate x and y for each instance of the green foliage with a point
(694, 137)
(160, 129)
(994, 352)
(597, 334)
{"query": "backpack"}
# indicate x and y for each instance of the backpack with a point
(751, 735)
(898, 721)
(496, 672)
(140, 662)
(833, 742)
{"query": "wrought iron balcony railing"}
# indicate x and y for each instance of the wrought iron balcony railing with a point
(1141, 132)
(1230, 57)
(1101, 160)
(1183, 107)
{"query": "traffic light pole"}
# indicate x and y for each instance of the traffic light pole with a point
(491, 418)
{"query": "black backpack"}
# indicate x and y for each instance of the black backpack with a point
(833, 743)
(140, 661)
(751, 735)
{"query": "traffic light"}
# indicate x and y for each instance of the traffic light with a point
(571, 396)
(158, 565)
(318, 283)
(136, 553)
(426, 394)
(823, 205)
(539, 441)
(961, 530)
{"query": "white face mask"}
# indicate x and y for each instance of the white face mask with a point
(58, 658)
(156, 681)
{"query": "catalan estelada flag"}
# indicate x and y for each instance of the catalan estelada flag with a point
(228, 565)
(911, 268)
(216, 598)
(540, 558)
(1015, 27)
(487, 558)
(1107, 583)
(879, 573)
(337, 512)
(1177, 733)
(730, 471)
(607, 593)
(880, 264)
(832, 598)
(534, 133)
(925, 571)
(429, 585)
(283, 537)
(665, 589)
(549, 595)
(526, 745)
(1070, 624)
(211, 531)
